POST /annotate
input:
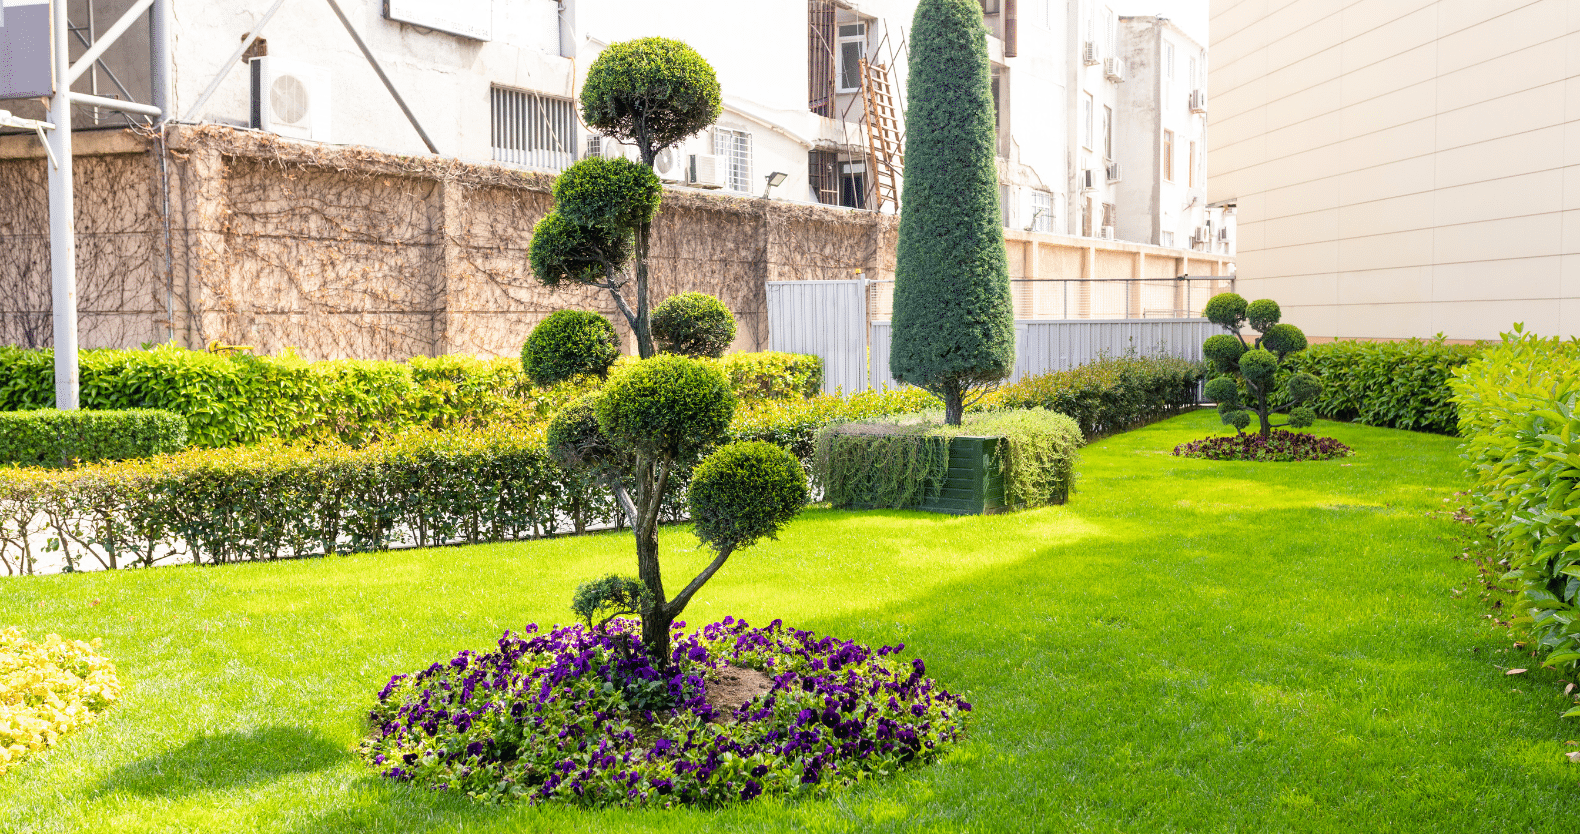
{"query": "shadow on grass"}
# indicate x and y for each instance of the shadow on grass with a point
(228, 760)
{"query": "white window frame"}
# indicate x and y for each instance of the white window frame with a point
(733, 147)
(1087, 106)
(1166, 239)
(1041, 211)
(839, 55)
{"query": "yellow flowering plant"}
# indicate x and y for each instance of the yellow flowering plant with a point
(48, 689)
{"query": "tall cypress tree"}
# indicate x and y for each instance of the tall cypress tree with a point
(954, 320)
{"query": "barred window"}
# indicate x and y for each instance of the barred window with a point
(532, 129)
(1041, 211)
(734, 150)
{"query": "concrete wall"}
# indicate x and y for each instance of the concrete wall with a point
(1403, 168)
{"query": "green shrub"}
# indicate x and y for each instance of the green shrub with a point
(666, 406)
(770, 375)
(1259, 390)
(744, 492)
(612, 194)
(1399, 385)
(47, 690)
(1110, 395)
(568, 344)
(47, 437)
(563, 251)
(651, 92)
(1517, 413)
(601, 600)
(693, 324)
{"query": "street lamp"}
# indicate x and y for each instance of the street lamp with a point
(773, 179)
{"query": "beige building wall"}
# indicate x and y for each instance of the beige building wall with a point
(1402, 167)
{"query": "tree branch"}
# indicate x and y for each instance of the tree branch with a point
(678, 604)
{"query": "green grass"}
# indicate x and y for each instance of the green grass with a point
(1186, 646)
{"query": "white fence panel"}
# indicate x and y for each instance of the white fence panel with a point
(826, 319)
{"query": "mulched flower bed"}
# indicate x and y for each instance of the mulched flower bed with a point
(1279, 446)
(583, 717)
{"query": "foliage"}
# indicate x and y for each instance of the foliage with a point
(614, 194)
(651, 92)
(1110, 395)
(954, 327)
(47, 437)
(240, 399)
(561, 717)
(1518, 415)
(1257, 387)
(601, 600)
(568, 344)
(693, 324)
(1401, 385)
(792, 424)
(744, 492)
(900, 463)
(562, 251)
(771, 375)
(47, 690)
(1278, 446)
(667, 406)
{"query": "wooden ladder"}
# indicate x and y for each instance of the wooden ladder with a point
(885, 134)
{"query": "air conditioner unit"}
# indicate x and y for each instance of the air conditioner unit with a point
(1114, 69)
(1088, 180)
(705, 171)
(290, 98)
(1223, 234)
(1089, 53)
(1198, 101)
(1106, 232)
(1114, 173)
(1202, 235)
(603, 146)
(671, 166)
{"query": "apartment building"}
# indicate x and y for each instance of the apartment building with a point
(1404, 168)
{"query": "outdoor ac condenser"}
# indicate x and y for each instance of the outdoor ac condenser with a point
(705, 171)
(290, 98)
(1115, 173)
(671, 166)
(1114, 69)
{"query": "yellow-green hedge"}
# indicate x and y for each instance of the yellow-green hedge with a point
(47, 690)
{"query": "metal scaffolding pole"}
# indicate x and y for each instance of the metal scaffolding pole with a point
(62, 237)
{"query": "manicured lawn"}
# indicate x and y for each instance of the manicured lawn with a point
(1186, 646)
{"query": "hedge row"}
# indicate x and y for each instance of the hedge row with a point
(1401, 385)
(1108, 396)
(239, 399)
(47, 437)
(1518, 414)
(421, 487)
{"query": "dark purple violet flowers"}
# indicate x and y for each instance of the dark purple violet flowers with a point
(581, 717)
(1278, 446)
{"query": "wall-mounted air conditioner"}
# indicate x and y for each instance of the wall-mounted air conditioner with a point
(704, 171)
(1089, 53)
(290, 98)
(1106, 232)
(1223, 234)
(1088, 180)
(603, 146)
(1114, 69)
(1198, 101)
(671, 166)
(1201, 236)
(1115, 174)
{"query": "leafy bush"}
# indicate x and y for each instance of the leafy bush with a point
(899, 463)
(666, 406)
(1275, 447)
(563, 717)
(47, 690)
(1517, 413)
(568, 344)
(1399, 385)
(614, 194)
(771, 375)
(240, 399)
(1249, 383)
(693, 324)
(743, 492)
(652, 92)
(1110, 395)
(47, 437)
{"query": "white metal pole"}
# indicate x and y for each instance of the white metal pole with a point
(62, 237)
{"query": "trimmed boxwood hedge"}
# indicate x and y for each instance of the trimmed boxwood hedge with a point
(1397, 385)
(48, 437)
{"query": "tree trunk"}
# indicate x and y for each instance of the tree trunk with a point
(651, 479)
(954, 403)
(642, 326)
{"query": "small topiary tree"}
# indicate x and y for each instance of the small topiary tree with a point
(954, 325)
(1255, 366)
(653, 93)
(693, 324)
(567, 344)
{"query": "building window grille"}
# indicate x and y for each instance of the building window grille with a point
(1041, 211)
(531, 129)
(734, 149)
(1168, 155)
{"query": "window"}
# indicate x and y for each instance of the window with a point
(1192, 173)
(1168, 60)
(1167, 239)
(1168, 155)
(820, 175)
(734, 150)
(529, 129)
(1041, 211)
(1108, 132)
(852, 48)
(1086, 121)
(853, 185)
(1047, 14)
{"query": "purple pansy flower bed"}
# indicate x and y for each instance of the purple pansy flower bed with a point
(1278, 446)
(583, 717)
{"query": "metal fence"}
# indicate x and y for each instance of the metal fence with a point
(1068, 298)
(823, 318)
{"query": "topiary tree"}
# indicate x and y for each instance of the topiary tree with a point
(652, 420)
(653, 93)
(569, 343)
(953, 326)
(693, 324)
(1255, 366)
